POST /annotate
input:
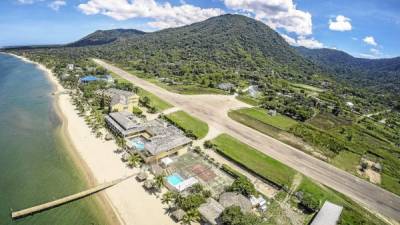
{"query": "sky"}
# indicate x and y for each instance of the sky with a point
(362, 28)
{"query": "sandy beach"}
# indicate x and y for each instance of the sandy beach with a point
(126, 203)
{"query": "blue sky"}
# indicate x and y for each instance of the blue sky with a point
(363, 28)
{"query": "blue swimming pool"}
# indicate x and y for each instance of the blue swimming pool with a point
(174, 179)
(138, 143)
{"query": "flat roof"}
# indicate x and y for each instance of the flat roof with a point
(329, 214)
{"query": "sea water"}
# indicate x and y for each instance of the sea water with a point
(35, 164)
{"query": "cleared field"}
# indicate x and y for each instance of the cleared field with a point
(253, 160)
(261, 116)
(249, 100)
(188, 123)
(156, 102)
(307, 87)
(352, 212)
(328, 121)
(347, 161)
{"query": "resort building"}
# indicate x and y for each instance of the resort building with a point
(211, 211)
(152, 140)
(329, 214)
(120, 100)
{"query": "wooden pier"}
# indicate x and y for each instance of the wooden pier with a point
(52, 204)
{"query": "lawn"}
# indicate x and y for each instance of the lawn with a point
(255, 161)
(156, 102)
(249, 100)
(352, 212)
(347, 161)
(261, 116)
(188, 123)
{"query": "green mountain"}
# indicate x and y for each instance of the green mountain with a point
(378, 74)
(101, 37)
(224, 45)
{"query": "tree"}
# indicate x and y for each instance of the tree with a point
(309, 202)
(168, 198)
(243, 186)
(192, 201)
(190, 216)
(159, 181)
(234, 216)
(134, 160)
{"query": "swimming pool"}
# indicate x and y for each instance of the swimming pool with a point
(174, 179)
(138, 143)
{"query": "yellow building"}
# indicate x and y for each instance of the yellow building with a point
(121, 100)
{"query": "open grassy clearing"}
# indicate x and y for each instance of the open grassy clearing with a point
(253, 160)
(156, 102)
(249, 100)
(352, 212)
(328, 121)
(261, 116)
(188, 123)
(347, 161)
(307, 87)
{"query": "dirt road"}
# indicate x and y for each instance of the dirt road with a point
(213, 109)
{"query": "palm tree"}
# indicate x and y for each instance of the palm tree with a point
(168, 198)
(134, 160)
(121, 142)
(159, 181)
(190, 216)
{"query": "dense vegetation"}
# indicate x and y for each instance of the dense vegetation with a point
(101, 37)
(380, 75)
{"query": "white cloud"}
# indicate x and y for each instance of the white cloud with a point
(57, 4)
(276, 13)
(368, 56)
(370, 40)
(27, 2)
(341, 23)
(375, 51)
(303, 41)
(165, 15)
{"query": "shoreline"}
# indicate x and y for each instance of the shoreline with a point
(101, 200)
(128, 201)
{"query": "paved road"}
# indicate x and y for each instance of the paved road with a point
(213, 110)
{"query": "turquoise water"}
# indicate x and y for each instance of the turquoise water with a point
(138, 143)
(174, 179)
(35, 165)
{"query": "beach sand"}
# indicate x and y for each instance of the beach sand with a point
(126, 203)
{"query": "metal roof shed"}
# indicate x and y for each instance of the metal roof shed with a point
(329, 214)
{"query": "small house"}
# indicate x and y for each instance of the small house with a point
(272, 112)
(226, 86)
(228, 199)
(210, 211)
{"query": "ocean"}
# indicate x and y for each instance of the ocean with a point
(35, 164)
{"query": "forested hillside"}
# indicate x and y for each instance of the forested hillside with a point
(101, 37)
(378, 74)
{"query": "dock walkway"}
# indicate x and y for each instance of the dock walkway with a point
(58, 202)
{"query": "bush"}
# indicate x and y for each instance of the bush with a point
(243, 186)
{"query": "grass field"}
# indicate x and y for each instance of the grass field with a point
(156, 102)
(347, 161)
(352, 212)
(328, 121)
(307, 87)
(249, 100)
(261, 116)
(255, 161)
(188, 123)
